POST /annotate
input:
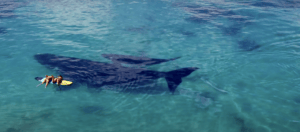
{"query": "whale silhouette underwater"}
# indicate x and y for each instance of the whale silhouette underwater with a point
(98, 74)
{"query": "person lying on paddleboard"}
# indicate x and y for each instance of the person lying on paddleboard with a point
(58, 80)
(48, 79)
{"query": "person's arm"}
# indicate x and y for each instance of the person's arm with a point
(38, 85)
(45, 79)
(47, 82)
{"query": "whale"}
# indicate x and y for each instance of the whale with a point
(97, 74)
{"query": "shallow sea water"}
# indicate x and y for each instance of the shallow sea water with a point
(247, 52)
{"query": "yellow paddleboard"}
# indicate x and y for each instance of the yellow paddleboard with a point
(65, 82)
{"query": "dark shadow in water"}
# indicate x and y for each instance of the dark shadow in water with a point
(241, 122)
(211, 11)
(278, 4)
(197, 20)
(99, 74)
(45, 115)
(202, 14)
(265, 4)
(228, 13)
(128, 59)
(291, 3)
(246, 107)
(7, 11)
(149, 87)
(6, 56)
(198, 9)
(28, 122)
(230, 31)
(206, 14)
(297, 100)
(187, 33)
(12, 130)
(150, 18)
(141, 29)
(7, 8)
(240, 21)
(90, 109)
(202, 99)
(273, 4)
(95, 110)
(3, 30)
(42, 115)
(248, 45)
(209, 95)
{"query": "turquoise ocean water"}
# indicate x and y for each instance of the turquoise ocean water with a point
(248, 49)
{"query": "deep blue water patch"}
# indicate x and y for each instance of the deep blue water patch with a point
(3, 30)
(241, 122)
(290, 3)
(248, 45)
(206, 14)
(90, 109)
(209, 95)
(246, 107)
(274, 3)
(198, 20)
(150, 88)
(13, 130)
(265, 4)
(7, 8)
(187, 33)
(6, 56)
(141, 29)
(297, 100)
(240, 20)
(209, 11)
(231, 30)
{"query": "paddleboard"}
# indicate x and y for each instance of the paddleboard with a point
(64, 82)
